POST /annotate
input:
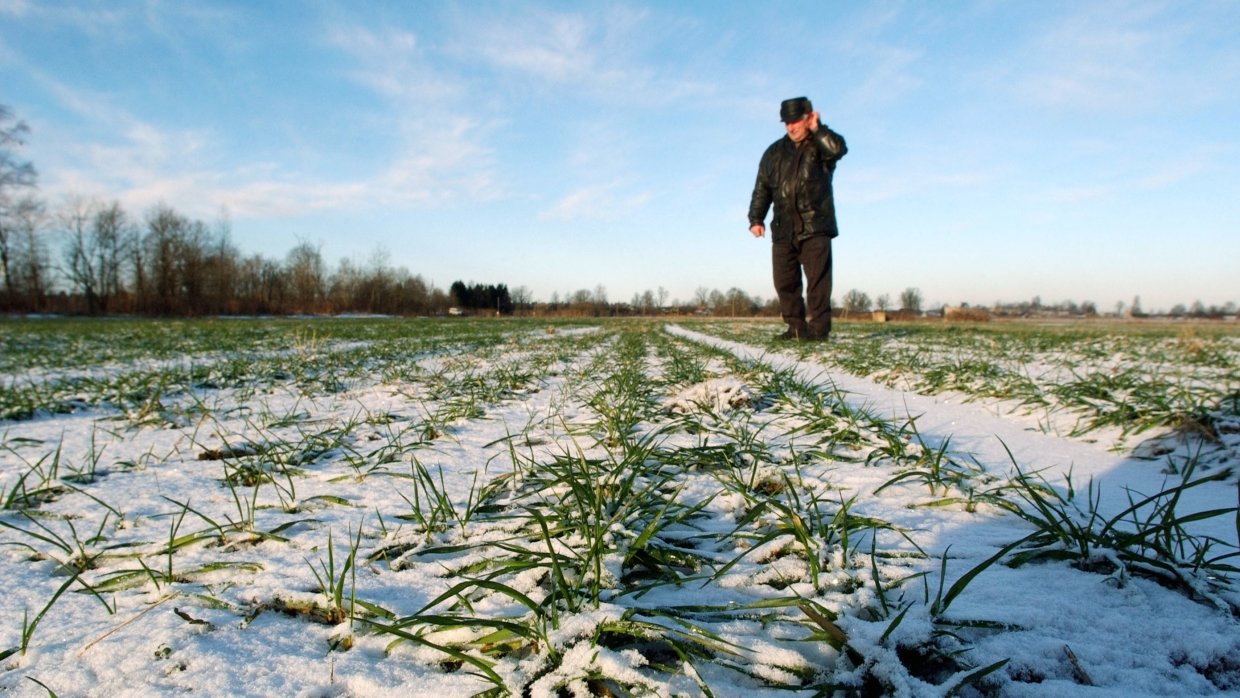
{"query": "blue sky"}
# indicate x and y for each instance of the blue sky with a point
(997, 150)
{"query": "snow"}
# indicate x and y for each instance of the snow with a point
(221, 632)
(717, 395)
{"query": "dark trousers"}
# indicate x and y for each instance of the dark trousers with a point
(812, 315)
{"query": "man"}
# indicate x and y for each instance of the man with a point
(795, 175)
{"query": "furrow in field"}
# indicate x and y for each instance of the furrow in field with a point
(998, 444)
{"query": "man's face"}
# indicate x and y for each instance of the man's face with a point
(798, 130)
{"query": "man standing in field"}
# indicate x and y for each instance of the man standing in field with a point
(795, 175)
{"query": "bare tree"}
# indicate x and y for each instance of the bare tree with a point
(114, 236)
(413, 294)
(221, 271)
(7, 239)
(910, 300)
(856, 301)
(273, 286)
(17, 177)
(701, 297)
(739, 303)
(377, 283)
(600, 300)
(158, 261)
(581, 301)
(260, 286)
(175, 263)
(27, 263)
(647, 302)
(74, 221)
(343, 285)
(96, 247)
(522, 298)
(192, 268)
(306, 277)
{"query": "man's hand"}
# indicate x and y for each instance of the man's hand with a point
(757, 229)
(813, 122)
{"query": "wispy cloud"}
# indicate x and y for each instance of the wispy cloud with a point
(554, 48)
(871, 185)
(613, 56)
(558, 48)
(1078, 194)
(1173, 173)
(435, 155)
(889, 76)
(126, 158)
(600, 202)
(887, 70)
(14, 8)
(114, 21)
(390, 61)
(1117, 56)
(141, 165)
(440, 149)
(1179, 167)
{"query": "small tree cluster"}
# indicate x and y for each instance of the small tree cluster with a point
(582, 302)
(1200, 310)
(480, 298)
(857, 302)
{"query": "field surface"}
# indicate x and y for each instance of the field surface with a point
(377, 507)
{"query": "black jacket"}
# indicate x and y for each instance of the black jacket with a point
(797, 179)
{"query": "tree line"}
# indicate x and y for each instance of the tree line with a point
(481, 298)
(167, 264)
(95, 257)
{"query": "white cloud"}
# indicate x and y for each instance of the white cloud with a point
(549, 46)
(429, 114)
(557, 49)
(142, 165)
(389, 61)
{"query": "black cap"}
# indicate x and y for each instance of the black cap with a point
(794, 109)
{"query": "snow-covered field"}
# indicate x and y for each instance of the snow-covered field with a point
(458, 507)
